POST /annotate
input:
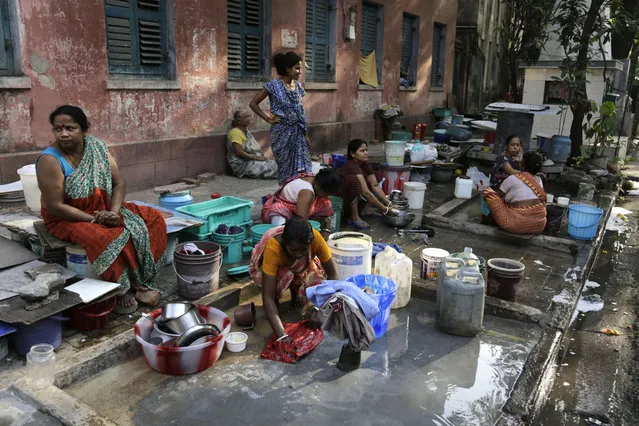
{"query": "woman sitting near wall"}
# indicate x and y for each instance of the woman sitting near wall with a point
(83, 202)
(519, 205)
(244, 153)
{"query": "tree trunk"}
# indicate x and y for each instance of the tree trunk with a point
(581, 67)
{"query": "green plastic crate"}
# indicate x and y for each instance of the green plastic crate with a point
(228, 210)
(193, 234)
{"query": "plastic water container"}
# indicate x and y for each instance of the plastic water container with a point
(504, 277)
(231, 246)
(463, 187)
(461, 305)
(338, 207)
(395, 151)
(30, 186)
(432, 259)
(174, 200)
(352, 252)
(78, 262)
(385, 290)
(583, 221)
(470, 259)
(450, 268)
(383, 261)
(401, 273)
(415, 191)
(559, 149)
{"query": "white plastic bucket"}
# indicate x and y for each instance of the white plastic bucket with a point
(316, 167)
(432, 259)
(78, 262)
(395, 151)
(30, 186)
(414, 191)
(352, 252)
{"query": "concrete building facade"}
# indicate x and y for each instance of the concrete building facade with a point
(160, 79)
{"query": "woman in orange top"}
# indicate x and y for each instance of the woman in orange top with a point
(295, 256)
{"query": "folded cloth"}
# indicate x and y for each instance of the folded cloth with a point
(368, 69)
(379, 247)
(346, 320)
(303, 341)
(319, 294)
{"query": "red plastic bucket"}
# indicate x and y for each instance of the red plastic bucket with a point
(93, 316)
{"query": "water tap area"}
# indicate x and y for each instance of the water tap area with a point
(15, 410)
(413, 374)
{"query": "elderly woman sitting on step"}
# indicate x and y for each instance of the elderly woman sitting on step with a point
(519, 205)
(294, 256)
(83, 202)
(305, 195)
(358, 184)
(244, 153)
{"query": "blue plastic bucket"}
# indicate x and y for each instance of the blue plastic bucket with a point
(385, 290)
(440, 136)
(231, 246)
(559, 149)
(258, 231)
(174, 200)
(47, 330)
(583, 221)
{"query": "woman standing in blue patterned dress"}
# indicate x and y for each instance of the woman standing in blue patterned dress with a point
(289, 137)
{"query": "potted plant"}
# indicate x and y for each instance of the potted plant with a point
(599, 131)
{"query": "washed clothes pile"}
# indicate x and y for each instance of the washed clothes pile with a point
(347, 310)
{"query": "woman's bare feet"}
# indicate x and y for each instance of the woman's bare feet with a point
(147, 296)
(125, 304)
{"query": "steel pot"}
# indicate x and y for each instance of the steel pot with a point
(175, 310)
(196, 332)
(400, 221)
(182, 323)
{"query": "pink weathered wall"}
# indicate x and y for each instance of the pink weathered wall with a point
(160, 135)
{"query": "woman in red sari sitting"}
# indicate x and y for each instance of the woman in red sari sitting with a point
(306, 196)
(83, 202)
(519, 205)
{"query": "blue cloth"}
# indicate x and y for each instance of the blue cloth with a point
(67, 168)
(287, 137)
(378, 247)
(319, 294)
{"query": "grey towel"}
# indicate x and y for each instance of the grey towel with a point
(344, 318)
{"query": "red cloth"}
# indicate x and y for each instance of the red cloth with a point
(304, 341)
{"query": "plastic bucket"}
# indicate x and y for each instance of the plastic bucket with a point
(338, 160)
(394, 178)
(315, 225)
(30, 186)
(504, 276)
(48, 330)
(78, 262)
(385, 290)
(432, 259)
(554, 215)
(395, 151)
(197, 275)
(338, 208)
(440, 136)
(231, 246)
(457, 119)
(93, 316)
(583, 221)
(352, 252)
(258, 231)
(174, 200)
(415, 191)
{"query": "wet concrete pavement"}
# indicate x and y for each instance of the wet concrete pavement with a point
(413, 375)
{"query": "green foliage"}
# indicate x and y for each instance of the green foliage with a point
(599, 130)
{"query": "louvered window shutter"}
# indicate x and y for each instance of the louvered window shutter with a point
(439, 52)
(245, 38)
(317, 44)
(369, 29)
(6, 43)
(137, 37)
(407, 43)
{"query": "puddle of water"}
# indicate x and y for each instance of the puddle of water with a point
(618, 220)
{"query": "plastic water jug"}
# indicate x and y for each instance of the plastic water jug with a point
(463, 187)
(383, 261)
(401, 272)
(461, 306)
(470, 259)
(451, 267)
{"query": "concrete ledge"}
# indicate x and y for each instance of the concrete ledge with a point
(62, 406)
(244, 85)
(141, 84)
(15, 83)
(309, 85)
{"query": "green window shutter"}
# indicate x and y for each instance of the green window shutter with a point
(245, 38)
(137, 37)
(317, 41)
(407, 43)
(369, 29)
(6, 43)
(439, 56)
